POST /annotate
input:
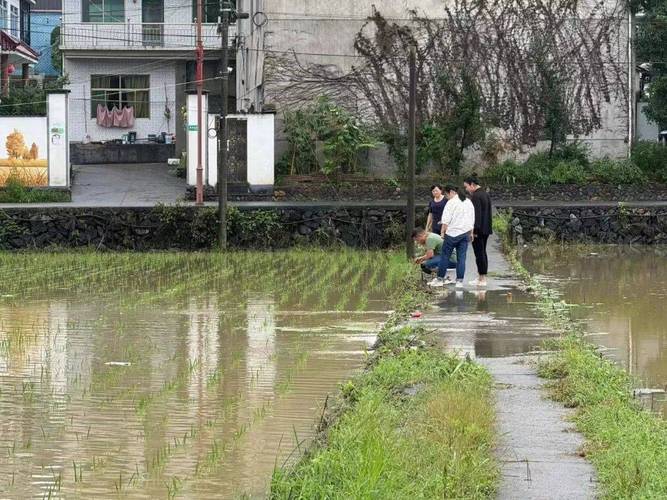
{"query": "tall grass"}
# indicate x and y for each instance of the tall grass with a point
(626, 443)
(18, 189)
(417, 423)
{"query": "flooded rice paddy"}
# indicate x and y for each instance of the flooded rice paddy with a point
(163, 375)
(621, 293)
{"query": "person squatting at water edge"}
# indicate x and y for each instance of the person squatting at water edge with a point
(483, 226)
(435, 209)
(432, 244)
(458, 222)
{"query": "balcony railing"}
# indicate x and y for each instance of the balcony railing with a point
(134, 36)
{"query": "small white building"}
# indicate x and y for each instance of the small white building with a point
(137, 54)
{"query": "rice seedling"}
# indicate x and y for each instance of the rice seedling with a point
(180, 322)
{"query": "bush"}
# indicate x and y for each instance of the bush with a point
(342, 135)
(651, 158)
(572, 151)
(538, 167)
(569, 172)
(535, 170)
(30, 100)
(15, 191)
(611, 171)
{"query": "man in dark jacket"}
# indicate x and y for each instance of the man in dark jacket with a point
(483, 226)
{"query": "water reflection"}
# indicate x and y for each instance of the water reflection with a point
(203, 393)
(622, 291)
(501, 321)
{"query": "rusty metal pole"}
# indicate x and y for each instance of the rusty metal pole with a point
(222, 131)
(200, 88)
(412, 127)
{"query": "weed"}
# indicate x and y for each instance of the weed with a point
(627, 444)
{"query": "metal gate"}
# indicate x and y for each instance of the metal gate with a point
(237, 145)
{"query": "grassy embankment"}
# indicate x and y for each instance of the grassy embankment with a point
(417, 423)
(627, 444)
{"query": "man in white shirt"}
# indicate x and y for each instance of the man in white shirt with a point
(458, 222)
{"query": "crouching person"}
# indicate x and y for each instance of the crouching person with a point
(433, 245)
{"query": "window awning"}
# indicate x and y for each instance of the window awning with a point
(18, 50)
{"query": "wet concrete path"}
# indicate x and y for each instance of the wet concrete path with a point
(537, 447)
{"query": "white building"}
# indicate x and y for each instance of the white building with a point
(139, 54)
(323, 33)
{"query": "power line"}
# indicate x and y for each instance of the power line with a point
(296, 16)
(119, 91)
(241, 48)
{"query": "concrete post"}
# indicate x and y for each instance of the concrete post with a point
(212, 141)
(58, 138)
(261, 141)
(191, 136)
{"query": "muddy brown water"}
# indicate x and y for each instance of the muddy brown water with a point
(621, 293)
(198, 396)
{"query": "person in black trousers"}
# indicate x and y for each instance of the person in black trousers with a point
(483, 226)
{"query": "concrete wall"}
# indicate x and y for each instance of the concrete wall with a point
(162, 91)
(302, 26)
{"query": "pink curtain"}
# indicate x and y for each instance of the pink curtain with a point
(121, 118)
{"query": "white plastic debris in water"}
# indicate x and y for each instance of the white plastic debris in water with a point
(117, 363)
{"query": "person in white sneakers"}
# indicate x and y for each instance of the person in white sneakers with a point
(432, 244)
(458, 222)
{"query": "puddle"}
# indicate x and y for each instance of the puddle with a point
(148, 376)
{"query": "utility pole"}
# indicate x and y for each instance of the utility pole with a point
(632, 100)
(200, 85)
(412, 125)
(223, 154)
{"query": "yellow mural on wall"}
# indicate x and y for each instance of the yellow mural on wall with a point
(21, 161)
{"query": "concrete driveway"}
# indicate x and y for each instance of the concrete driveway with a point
(141, 184)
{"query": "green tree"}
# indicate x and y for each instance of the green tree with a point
(454, 127)
(656, 109)
(554, 108)
(651, 48)
(56, 56)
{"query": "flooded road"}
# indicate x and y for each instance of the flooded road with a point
(155, 377)
(622, 294)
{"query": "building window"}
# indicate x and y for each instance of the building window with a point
(3, 14)
(14, 20)
(25, 22)
(103, 11)
(210, 9)
(121, 91)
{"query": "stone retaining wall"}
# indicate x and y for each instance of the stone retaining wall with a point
(191, 228)
(618, 224)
